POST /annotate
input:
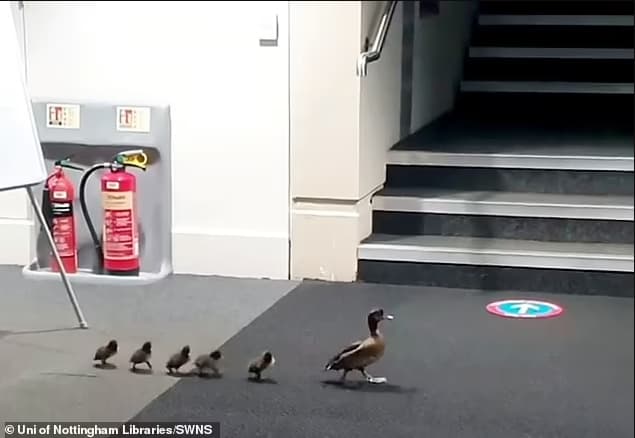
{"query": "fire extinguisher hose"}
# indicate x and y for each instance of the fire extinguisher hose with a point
(47, 209)
(89, 222)
(46, 205)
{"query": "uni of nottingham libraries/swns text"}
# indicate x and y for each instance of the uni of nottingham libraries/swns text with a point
(124, 429)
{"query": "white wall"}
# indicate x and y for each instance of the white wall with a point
(439, 50)
(230, 112)
(15, 215)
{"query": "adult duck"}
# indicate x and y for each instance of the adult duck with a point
(361, 354)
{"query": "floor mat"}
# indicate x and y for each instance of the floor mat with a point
(453, 370)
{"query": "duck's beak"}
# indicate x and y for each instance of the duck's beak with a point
(389, 317)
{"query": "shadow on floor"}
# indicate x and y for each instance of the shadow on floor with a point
(363, 386)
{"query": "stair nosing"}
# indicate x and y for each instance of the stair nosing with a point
(492, 256)
(548, 87)
(554, 20)
(445, 202)
(414, 157)
(550, 53)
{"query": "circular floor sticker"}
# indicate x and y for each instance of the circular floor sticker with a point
(524, 309)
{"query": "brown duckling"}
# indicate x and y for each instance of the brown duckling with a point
(260, 364)
(105, 352)
(179, 359)
(362, 354)
(142, 355)
(208, 362)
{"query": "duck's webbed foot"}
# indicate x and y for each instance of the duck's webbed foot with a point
(377, 380)
(371, 379)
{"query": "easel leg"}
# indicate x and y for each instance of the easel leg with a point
(49, 236)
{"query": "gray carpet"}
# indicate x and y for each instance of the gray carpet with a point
(46, 368)
(453, 370)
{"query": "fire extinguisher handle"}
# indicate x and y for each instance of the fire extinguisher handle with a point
(66, 163)
(135, 158)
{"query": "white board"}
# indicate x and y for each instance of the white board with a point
(20, 151)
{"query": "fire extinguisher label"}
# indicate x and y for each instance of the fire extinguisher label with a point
(63, 228)
(120, 231)
(58, 194)
(61, 209)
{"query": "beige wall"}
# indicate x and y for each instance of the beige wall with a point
(324, 139)
(324, 93)
(342, 125)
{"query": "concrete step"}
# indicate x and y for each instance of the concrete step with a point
(549, 70)
(565, 117)
(551, 53)
(524, 216)
(510, 179)
(526, 149)
(557, 7)
(498, 252)
(545, 229)
(608, 37)
(495, 203)
(548, 87)
(523, 153)
(497, 278)
(555, 20)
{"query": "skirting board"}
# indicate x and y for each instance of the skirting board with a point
(194, 252)
(230, 255)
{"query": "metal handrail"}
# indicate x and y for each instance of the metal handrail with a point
(379, 38)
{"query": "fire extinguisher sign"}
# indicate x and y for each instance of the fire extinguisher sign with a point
(65, 116)
(133, 119)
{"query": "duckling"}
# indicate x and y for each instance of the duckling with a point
(142, 355)
(208, 362)
(258, 365)
(362, 354)
(107, 351)
(179, 359)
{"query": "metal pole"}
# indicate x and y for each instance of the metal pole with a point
(49, 236)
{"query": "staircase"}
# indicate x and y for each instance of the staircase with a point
(527, 185)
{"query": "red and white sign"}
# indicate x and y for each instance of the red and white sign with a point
(65, 116)
(133, 119)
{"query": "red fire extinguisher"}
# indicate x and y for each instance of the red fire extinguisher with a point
(58, 197)
(118, 253)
